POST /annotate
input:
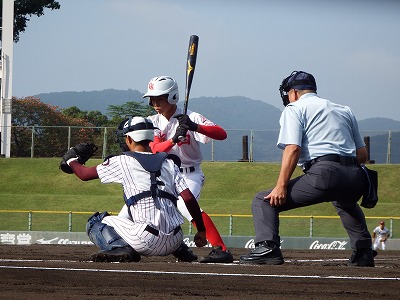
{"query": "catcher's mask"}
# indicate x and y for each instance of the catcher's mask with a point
(139, 129)
(298, 80)
(120, 137)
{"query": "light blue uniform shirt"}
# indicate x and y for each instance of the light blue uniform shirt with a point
(319, 127)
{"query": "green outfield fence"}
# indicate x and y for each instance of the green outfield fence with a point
(227, 224)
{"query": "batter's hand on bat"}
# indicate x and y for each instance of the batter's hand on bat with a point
(200, 239)
(185, 120)
(180, 134)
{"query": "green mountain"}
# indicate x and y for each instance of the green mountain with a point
(229, 112)
(234, 112)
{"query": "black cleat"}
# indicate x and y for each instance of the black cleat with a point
(183, 253)
(265, 253)
(217, 255)
(363, 257)
(124, 254)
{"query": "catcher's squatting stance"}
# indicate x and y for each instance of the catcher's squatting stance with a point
(149, 223)
(181, 134)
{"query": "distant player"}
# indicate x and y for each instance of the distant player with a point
(181, 135)
(149, 223)
(380, 236)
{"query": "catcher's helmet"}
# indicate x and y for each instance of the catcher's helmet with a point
(298, 80)
(163, 85)
(139, 129)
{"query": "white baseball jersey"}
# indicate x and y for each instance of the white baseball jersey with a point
(134, 179)
(189, 150)
(380, 234)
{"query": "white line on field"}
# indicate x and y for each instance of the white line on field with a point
(201, 273)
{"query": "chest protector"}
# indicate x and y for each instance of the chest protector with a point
(151, 163)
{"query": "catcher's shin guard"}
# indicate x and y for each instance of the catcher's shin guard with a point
(102, 235)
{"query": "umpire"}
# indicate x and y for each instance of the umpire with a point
(323, 138)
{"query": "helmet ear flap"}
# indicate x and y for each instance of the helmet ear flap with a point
(173, 96)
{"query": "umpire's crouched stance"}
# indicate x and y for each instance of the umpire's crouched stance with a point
(149, 223)
(323, 138)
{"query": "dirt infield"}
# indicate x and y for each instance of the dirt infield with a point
(65, 272)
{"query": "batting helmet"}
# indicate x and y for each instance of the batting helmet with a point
(139, 129)
(163, 85)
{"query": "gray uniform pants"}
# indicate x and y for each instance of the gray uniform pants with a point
(325, 181)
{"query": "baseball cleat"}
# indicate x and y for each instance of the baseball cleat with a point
(217, 255)
(124, 254)
(265, 253)
(183, 253)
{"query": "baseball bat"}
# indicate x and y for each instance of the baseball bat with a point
(190, 67)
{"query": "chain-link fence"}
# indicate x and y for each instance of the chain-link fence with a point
(241, 145)
(227, 224)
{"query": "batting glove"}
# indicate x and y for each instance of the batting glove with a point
(180, 133)
(185, 120)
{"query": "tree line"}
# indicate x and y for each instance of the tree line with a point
(49, 129)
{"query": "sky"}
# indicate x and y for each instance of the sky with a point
(246, 48)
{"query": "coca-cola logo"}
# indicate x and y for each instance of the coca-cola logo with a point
(335, 245)
(251, 245)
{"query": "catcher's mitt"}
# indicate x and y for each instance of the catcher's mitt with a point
(81, 151)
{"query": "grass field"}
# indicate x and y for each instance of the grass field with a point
(31, 184)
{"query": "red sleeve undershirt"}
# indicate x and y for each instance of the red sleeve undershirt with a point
(215, 132)
(82, 172)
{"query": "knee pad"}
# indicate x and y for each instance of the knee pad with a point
(102, 235)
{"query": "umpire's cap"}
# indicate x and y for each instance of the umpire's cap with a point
(139, 129)
(299, 80)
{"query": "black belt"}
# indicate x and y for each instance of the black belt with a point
(343, 160)
(187, 170)
(156, 232)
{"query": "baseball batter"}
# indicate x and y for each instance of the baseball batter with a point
(149, 222)
(380, 236)
(181, 135)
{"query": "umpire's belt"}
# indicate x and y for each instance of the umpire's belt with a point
(343, 160)
(156, 232)
(187, 170)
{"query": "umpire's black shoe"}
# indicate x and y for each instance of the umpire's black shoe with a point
(217, 255)
(124, 254)
(362, 258)
(266, 253)
(183, 253)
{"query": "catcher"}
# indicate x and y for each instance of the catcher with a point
(149, 223)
